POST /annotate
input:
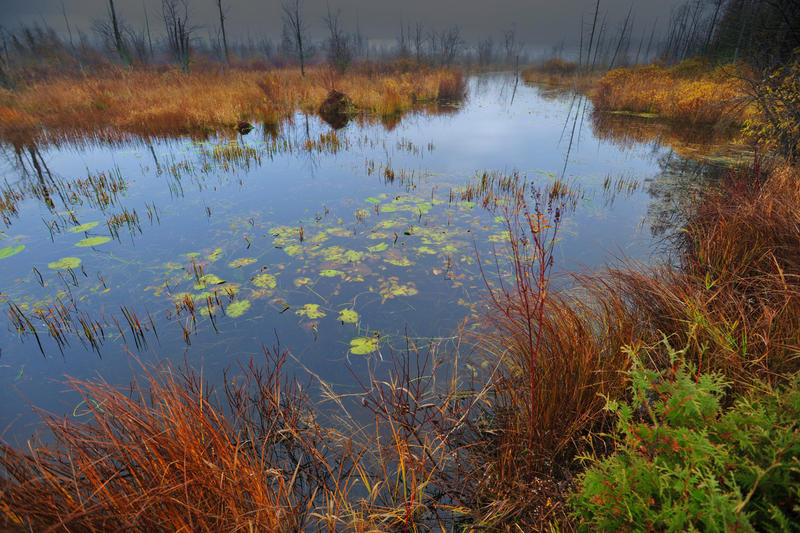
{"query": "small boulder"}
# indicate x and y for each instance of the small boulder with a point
(336, 109)
(244, 127)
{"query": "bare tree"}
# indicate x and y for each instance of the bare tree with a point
(485, 51)
(450, 44)
(295, 29)
(6, 80)
(176, 21)
(419, 41)
(340, 52)
(147, 27)
(511, 46)
(222, 27)
(119, 43)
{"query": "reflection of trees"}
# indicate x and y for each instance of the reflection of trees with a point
(679, 182)
(697, 157)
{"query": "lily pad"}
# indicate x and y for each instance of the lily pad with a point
(425, 250)
(401, 262)
(299, 282)
(242, 261)
(378, 247)
(293, 249)
(65, 263)
(237, 309)
(372, 200)
(8, 251)
(348, 316)
(311, 311)
(83, 227)
(92, 241)
(331, 273)
(208, 279)
(213, 256)
(364, 345)
(265, 281)
(353, 256)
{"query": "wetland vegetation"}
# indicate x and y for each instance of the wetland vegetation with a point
(422, 287)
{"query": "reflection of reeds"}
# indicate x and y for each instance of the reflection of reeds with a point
(62, 319)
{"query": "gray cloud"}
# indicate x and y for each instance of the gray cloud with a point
(538, 22)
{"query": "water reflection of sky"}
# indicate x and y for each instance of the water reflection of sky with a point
(423, 282)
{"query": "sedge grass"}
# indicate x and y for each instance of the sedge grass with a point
(154, 102)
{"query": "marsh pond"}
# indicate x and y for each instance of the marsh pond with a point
(338, 244)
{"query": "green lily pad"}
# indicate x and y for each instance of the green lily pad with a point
(364, 345)
(237, 309)
(372, 200)
(425, 250)
(348, 316)
(311, 311)
(83, 227)
(353, 256)
(65, 263)
(378, 247)
(213, 256)
(331, 273)
(92, 241)
(8, 251)
(242, 261)
(401, 262)
(208, 279)
(265, 281)
(293, 249)
(299, 282)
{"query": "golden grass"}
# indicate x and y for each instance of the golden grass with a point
(686, 93)
(150, 102)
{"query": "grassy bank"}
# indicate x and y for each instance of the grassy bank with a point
(144, 101)
(689, 92)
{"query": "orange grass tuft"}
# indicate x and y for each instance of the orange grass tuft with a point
(166, 458)
(680, 93)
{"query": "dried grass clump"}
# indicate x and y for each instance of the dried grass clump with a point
(679, 93)
(734, 300)
(150, 102)
(165, 457)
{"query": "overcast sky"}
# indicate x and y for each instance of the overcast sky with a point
(538, 22)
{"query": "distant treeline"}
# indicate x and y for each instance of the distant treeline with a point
(760, 32)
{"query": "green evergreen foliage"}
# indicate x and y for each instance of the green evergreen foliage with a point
(684, 462)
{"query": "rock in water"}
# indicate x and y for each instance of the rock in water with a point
(244, 127)
(336, 109)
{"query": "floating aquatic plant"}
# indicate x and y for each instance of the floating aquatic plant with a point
(237, 309)
(348, 316)
(364, 345)
(311, 311)
(65, 263)
(83, 227)
(92, 241)
(8, 251)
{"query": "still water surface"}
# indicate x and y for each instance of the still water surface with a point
(338, 247)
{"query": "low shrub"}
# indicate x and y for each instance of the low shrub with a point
(683, 462)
